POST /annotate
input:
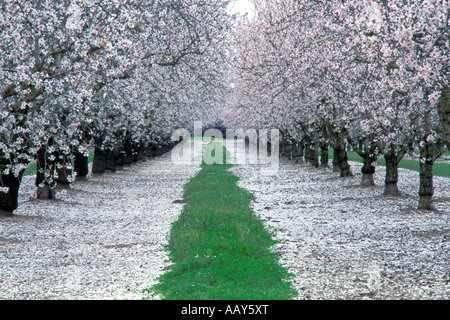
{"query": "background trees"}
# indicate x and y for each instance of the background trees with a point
(103, 71)
(124, 74)
(371, 73)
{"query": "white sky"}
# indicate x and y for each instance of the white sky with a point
(242, 7)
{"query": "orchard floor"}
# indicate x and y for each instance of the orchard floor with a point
(343, 241)
(102, 239)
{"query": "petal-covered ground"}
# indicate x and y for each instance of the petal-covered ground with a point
(342, 241)
(102, 239)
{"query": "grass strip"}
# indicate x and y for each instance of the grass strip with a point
(439, 168)
(218, 246)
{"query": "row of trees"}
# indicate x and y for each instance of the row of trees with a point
(373, 74)
(117, 74)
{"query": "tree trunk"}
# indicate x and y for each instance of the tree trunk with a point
(160, 150)
(426, 189)
(81, 166)
(150, 151)
(44, 176)
(324, 155)
(9, 200)
(294, 150)
(311, 155)
(99, 164)
(135, 152)
(300, 148)
(64, 178)
(307, 151)
(128, 155)
(316, 146)
(335, 162)
(444, 114)
(286, 148)
(426, 186)
(120, 160)
(342, 159)
(110, 160)
(314, 156)
(141, 153)
(391, 180)
(367, 171)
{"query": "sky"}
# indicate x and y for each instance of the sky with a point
(242, 7)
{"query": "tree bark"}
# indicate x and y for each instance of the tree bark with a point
(391, 179)
(316, 147)
(99, 164)
(341, 154)
(150, 151)
(365, 150)
(81, 166)
(128, 153)
(311, 154)
(9, 200)
(324, 155)
(294, 150)
(444, 114)
(110, 160)
(300, 148)
(335, 163)
(135, 152)
(64, 178)
(426, 189)
(307, 154)
(160, 150)
(120, 159)
(315, 156)
(368, 171)
(44, 176)
(286, 148)
(141, 153)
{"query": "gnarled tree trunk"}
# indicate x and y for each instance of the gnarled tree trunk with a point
(9, 200)
(426, 190)
(150, 151)
(324, 155)
(110, 160)
(81, 166)
(307, 150)
(286, 148)
(335, 163)
(120, 159)
(128, 153)
(99, 163)
(135, 147)
(391, 179)
(44, 175)
(141, 152)
(444, 114)
(64, 172)
(368, 170)
(366, 150)
(341, 154)
(299, 155)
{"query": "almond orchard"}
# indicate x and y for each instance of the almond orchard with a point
(98, 97)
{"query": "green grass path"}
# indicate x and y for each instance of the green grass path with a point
(218, 246)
